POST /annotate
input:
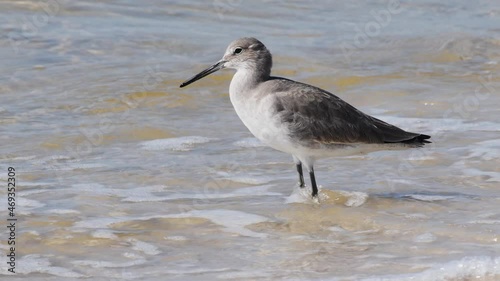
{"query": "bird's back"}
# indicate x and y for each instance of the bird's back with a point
(316, 116)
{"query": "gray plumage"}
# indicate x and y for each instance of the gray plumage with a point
(297, 118)
(315, 115)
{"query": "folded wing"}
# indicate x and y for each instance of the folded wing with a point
(313, 114)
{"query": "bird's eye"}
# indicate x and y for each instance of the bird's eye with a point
(237, 51)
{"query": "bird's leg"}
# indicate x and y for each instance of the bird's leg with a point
(301, 175)
(313, 183)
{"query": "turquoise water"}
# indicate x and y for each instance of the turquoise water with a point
(122, 175)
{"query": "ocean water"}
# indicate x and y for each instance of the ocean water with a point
(121, 175)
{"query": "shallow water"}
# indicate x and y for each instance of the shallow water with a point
(124, 176)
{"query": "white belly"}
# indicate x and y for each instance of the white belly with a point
(259, 117)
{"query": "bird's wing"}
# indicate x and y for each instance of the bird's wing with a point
(313, 114)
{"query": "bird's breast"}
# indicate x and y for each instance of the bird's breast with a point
(259, 116)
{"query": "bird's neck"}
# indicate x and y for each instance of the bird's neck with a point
(246, 79)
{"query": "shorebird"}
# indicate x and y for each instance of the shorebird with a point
(299, 119)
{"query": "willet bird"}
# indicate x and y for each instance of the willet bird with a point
(305, 121)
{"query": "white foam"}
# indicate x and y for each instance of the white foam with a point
(84, 166)
(176, 238)
(51, 159)
(146, 248)
(243, 179)
(425, 238)
(175, 144)
(219, 194)
(106, 222)
(337, 229)
(303, 195)
(249, 143)
(262, 190)
(486, 150)
(400, 181)
(90, 187)
(31, 191)
(463, 166)
(143, 194)
(63, 211)
(430, 198)
(492, 176)
(467, 268)
(104, 234)
(41, 264)
(23, 158)
(248, 180)
(27, 205)
(137, 260)
(485, 221)
(414, 216)
(354, 198)
(196, 271)
(233, 221)
(138, 194)
(38, 183)
(439, 125)
(247, 275)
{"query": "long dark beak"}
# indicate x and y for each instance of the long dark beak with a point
(217, 66)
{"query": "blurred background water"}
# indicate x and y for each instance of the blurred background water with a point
(124, 176)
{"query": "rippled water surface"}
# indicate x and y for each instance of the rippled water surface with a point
(123, 176)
